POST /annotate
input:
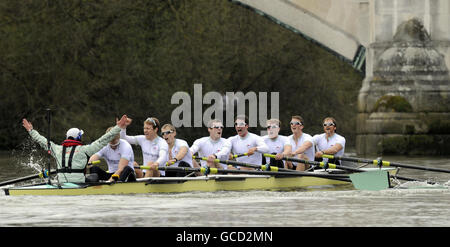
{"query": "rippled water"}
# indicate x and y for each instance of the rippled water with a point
(410, 206)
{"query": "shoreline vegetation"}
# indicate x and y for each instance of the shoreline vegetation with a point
(90, 62)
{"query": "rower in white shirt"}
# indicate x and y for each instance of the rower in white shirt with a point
(120, 159)
(154, 148)
(277, 143)
(301, 143)
(213, 146)
(246, 142)
(329, 142)
(179, 154)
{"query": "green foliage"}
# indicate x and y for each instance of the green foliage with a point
(394, 103)
(92, 61)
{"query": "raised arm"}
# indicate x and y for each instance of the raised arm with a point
(27, 125)
(123, 133)
(107, 137)
(41, 140)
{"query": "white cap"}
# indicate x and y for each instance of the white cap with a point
(75, 133)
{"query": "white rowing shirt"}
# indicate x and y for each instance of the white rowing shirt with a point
(310, 152)
(178, 144)
(240, 145)
(206, 146)
(152, 150)
(323, 143)
(113, 156)
(276, 145)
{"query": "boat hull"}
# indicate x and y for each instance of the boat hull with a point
(178, 185)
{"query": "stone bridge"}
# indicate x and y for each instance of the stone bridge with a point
(402, 46)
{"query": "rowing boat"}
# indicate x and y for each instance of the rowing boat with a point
(212, 182)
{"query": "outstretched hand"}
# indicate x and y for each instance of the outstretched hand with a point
(122, 122)
(27, 125)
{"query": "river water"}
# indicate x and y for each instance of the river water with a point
(413, 205)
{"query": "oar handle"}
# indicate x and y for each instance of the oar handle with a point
(204, 170)
(95, 162)
(239, 155)
(236, 163)
(317, 163)
(148, 167)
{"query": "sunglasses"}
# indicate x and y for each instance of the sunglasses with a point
(272, 126)
(240, 124)
(296, 123)
(114, 145)
(217, 127)
(328, 124)
(166, 132)
(151, 120)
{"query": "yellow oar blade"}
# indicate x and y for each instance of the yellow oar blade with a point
(372, 180)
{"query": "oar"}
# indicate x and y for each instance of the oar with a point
(376, 180)
(234, 156)
(208, 170)
(236, 163)
(44, 174)
(322, 164)
(363, 180)
(331, 165)
(366, 180)
(148, 167)
(380, 163)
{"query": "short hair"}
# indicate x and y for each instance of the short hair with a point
(242, 117)
(277, 121)
(330, 118)
(170, 126)
(154, 123)
(210, 123)
(299, 118)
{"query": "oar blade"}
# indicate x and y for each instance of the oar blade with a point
(371, 180)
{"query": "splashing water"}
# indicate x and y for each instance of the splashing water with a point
(422, 185)
(33, 162)
(30, 155)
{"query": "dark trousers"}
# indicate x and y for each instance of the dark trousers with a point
(127, 174)
(178, 173)
(273, 162)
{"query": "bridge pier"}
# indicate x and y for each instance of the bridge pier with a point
(404, 102)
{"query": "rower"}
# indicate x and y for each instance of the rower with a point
(277, 143)
(301, 143)
(154, 148)
(72, 156)
(120, 159)
(179, 154)
(213, 146)
(329, 142)
(246, 142)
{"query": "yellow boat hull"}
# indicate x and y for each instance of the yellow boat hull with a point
(178, 185)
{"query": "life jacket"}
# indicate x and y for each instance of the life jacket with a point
(68, 168)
